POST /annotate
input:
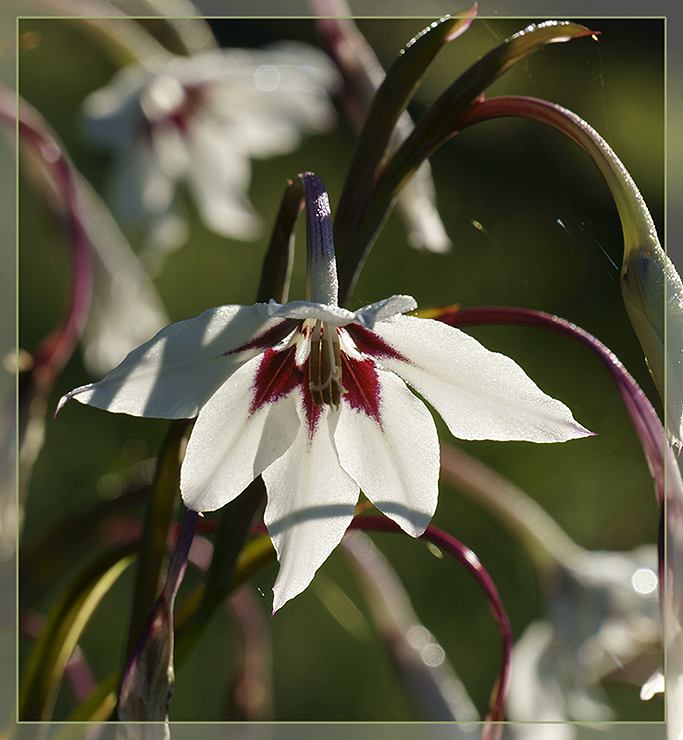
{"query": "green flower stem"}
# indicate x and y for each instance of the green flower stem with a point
(159, 518)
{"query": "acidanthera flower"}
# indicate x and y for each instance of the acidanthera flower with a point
(313, 397)
(199, 120)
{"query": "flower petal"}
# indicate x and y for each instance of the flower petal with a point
(334, 315)
(219, 175)
(395, 457)
(311, 502)
(174, 374)
(232, 442)
(479, 394)
(368, 316)
(338, 316)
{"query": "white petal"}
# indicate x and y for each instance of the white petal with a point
(417, 206)
(231, 444)
(169, 147)
(334, 315)
(479, 394)
(368, 316)
(219, 176)
(338, 316)
(311, 501)
(112, 114)
(656, 684)
(417, 200)
(174, 374)
(139, 186)
(397, 463)
(126, 310)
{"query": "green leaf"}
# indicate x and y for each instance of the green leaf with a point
(63, 629)
(439, 122)
(96, 708)
(159, 518)
(396, 91)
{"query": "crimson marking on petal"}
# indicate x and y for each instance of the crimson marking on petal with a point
(370, 344)
(277, 375)
(268, 338)
(182, 116)
(311, 408)
(361, 385)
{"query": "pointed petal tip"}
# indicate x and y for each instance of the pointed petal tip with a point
(67, 397)
(279, 600)
(583, 432)
(61, 403)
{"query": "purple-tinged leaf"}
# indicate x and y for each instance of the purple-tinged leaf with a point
(148, 679)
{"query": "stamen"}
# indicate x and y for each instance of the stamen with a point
(325, 366)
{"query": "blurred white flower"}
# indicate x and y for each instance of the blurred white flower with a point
(125, 309)
(603, 613)
(199, 120)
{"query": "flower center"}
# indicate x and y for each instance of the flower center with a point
(325, 370)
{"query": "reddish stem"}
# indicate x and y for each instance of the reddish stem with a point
(56, 348)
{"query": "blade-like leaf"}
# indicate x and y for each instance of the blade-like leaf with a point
(392, 98)
(441, 115)
(439, 122)
(64, 626)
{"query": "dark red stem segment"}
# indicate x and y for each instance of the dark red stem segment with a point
(644, 417)
(56, 348)
(660, 458)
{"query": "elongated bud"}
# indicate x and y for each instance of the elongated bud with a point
(653, 296)
(321, 267)
(148, 681)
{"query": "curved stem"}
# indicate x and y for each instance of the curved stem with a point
(659, 456)
(465, 557)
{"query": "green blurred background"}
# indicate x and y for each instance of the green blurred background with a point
(532, 225)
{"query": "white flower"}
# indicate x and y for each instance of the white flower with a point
(313, 397)
(125, 309)
(199, 120)
(603, 613)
